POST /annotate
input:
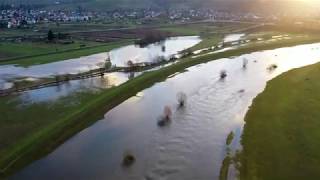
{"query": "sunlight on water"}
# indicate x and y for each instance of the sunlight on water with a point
(69, 88)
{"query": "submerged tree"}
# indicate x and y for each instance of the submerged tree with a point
(223, 74)
(128, 160)
(163, 48)
(244, 63)
(131, 75)
(167, 112)
(166, 118)
(272, 67)
(230, 138)
(67, 77)
(182, 98)
(57, 78)
(130, 63)
(101, 73)
(107, 65)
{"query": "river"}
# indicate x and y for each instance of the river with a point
(193, 146)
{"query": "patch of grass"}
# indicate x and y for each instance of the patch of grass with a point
(224, 170)
(202, 28)
(181, 31)
(282, 130)
(29, 49)
(16, 32)
(44, 136)
(208, 41)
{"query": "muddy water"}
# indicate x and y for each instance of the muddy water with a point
(118, 57)
(193, 145)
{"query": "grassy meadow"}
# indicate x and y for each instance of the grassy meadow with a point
(281, 134)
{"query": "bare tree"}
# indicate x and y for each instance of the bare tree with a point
(166, 118)
(182, 98)
(272, 67)
(223, 74)
(128, 160)
(167, 112)
(244, 63)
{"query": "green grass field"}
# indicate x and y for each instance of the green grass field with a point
(16, 32)
(36, 133)
(65, 27)
(208, 41)
(281, 135)
(29, 49)
(204, 28)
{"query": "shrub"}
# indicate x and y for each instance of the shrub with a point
(128, 160)
(272, 67)
(182, 98)
(244, 63)
(230, 138)
(166, 118)
(223, 74)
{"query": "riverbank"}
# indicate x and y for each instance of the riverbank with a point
(50, 136)
(281, 134)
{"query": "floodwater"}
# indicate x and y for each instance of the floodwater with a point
(153, 52)
(53, 93)
(71, 66)
(193, 145)
(233, 37)
(118, 57)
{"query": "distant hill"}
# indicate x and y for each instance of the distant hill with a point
(108, 4)
(232, 5)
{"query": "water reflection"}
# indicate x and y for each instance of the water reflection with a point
(119, 57)
(151, 53)
(5, 85)
(233, 37)
(193, 146)
(71, 66)
(67, 88)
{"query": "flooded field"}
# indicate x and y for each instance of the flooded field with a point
(153, 52)
(118, 57)
(71, 66)
(193, 145)
(233, 37)
(54, 93)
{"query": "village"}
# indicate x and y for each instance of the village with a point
(21, 17)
